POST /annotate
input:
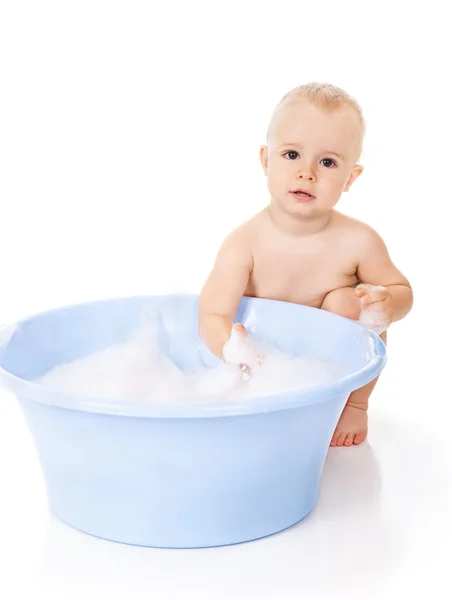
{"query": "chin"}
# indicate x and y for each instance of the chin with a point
(305, 209)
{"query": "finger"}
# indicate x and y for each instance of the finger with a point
(233, 348)
(377, 308)
(367, 288)
(240, 329)
(362, 289)
(374, 297)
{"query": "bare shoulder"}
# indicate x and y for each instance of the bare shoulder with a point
(360, 235)
(238, 246)
(242, 237)
(374, 264)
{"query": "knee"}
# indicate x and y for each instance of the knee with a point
(343, 302)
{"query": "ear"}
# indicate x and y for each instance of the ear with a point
(263, 155)
(357, 170)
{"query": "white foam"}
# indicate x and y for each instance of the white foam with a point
(136, 371)
(373, 316)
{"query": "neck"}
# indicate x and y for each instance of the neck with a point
(297, 225)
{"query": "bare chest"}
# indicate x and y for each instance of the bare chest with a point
(302, 274)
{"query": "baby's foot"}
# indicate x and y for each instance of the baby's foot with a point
(351, 428)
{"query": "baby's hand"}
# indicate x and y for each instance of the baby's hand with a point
(240, 350)
(377, 307)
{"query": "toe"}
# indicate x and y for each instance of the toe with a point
(349, 439)
(360, 437)
(334, 439)
(341, 439)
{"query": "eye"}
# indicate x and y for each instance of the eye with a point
(328, 162)
(291, 154)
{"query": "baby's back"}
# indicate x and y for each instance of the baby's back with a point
(301, 269)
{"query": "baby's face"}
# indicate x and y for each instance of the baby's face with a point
(313, 150)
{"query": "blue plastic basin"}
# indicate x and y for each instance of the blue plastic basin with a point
(182, 475)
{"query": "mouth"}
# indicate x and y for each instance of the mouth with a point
(300, 194)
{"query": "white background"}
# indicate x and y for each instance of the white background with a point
(129, 138)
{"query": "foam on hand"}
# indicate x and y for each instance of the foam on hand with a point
(371, 315)
(241, 351)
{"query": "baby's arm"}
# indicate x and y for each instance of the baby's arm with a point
(376, 268)
(223, 290)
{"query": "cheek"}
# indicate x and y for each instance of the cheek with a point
(337, 180)
(272, 182)
(275, 176)
(280, 171)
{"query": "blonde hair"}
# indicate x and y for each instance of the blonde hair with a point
(325, 96)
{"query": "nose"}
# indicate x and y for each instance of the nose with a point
(306, 172)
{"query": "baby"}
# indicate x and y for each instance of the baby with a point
(299, 248)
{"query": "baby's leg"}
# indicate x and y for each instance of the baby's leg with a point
(352, 425)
